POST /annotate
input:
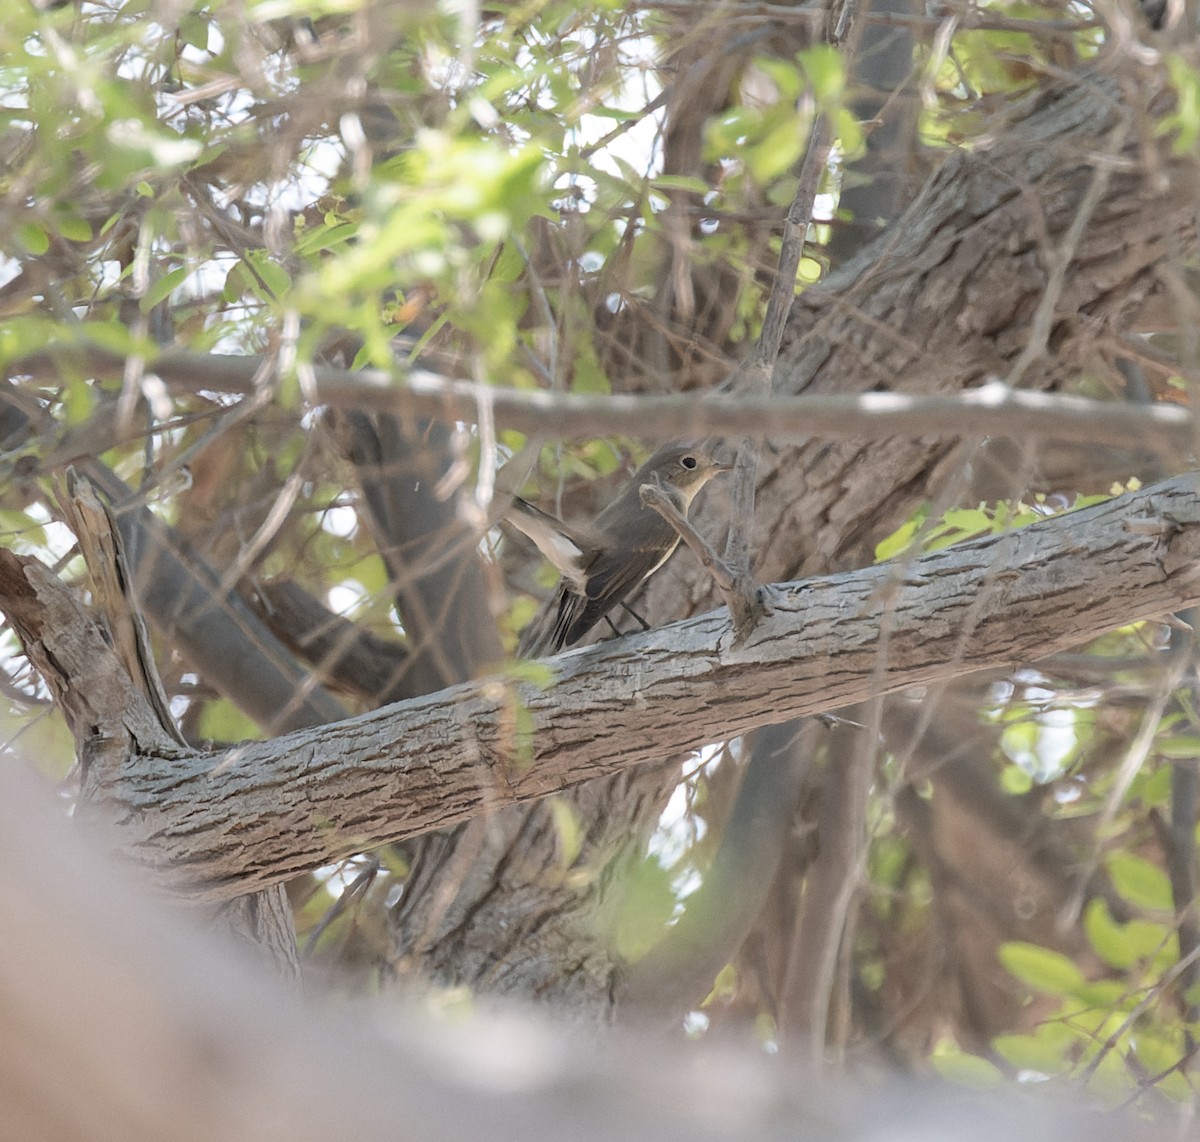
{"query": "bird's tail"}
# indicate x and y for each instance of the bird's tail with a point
(547, 632)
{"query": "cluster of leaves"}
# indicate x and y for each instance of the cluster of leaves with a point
(1120, 1012)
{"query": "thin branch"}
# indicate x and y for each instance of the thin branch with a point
(994, 409)
(747, 602)
(655, 498)
(971, 19)
(744, 602)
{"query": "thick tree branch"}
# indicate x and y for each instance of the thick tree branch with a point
(217, 825)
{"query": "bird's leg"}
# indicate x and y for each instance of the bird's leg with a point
(629, 610)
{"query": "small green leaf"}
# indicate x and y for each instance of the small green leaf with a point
(1159, 1052)
(20, 530)
(78, 400)
(1121, 945)
(778, 149)
(1015, 780)
(1044, 970)
(1139, 881)
(74, 228)
(193, 30)
(111, 335)
(680, 182)
(645, 908)
(162, 289)
(1179, 747)
(897, 542)
(1047, 1049)
(823, 66)
(1184, 120)
(275, 276)
(958, 1066)
(724, 986)
(33, 238)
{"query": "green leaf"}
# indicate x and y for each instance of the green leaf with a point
(724, 986)
(1183, 121)
(1179, 747)
(956, 1065)
(1112, 995)
(325, 237)
(116, 337)
(826, 74)
(1159, 1050)
(778, 149)
(193, 30)
(645, 908)
(1047, 1049)
(680, 182)
(274, 275)
(26, 334)
(20, 531)
(162, 289)
(1046, 971)
(899, 541)
(1154, 788)
(1014, 780)
(968, 521)
(78, 401)
(33, 238)
(1139, 881)
(74, 228)
(1122, 945)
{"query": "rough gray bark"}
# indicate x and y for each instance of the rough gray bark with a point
(949, 296)
(218, 825)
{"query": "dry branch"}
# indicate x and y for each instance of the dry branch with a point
(992, 410)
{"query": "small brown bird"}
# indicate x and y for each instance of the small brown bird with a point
(602, 565)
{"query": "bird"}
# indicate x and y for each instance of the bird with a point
(603, 564)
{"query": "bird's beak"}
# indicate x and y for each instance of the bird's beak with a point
(719, 466)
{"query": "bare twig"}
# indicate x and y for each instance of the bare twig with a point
(654, 497)
(746, 600)
(995, 409)
(745, 604)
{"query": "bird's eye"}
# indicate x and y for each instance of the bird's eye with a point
(688, 462)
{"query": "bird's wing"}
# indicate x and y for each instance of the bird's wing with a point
(566, 547)
(570, 614)
(611, 579)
